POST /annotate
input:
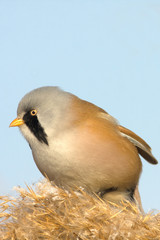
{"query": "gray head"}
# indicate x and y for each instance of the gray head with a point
(42, 111)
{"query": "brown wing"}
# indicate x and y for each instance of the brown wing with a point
(143, 148)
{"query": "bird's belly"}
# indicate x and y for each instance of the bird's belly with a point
(89, 163)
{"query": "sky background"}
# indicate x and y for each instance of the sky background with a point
(106, 52)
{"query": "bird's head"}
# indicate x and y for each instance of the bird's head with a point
(42, 112)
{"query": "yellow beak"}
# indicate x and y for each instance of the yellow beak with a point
(16, 122)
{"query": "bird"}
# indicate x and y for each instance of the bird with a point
(75, 143)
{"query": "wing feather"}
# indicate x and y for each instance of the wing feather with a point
(143, 148)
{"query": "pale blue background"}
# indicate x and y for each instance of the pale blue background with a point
(107, 52)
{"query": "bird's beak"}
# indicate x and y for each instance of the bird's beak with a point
(16, 122)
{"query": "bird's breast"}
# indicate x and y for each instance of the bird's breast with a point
(82, 157)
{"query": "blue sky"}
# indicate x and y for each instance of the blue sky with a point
(106, 52)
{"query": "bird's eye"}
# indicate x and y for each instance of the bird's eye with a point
(33, 112)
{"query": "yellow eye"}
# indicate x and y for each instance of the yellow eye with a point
(33, 112)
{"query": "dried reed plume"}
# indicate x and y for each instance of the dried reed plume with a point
(48, 212)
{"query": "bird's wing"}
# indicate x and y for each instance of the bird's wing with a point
(143, 148)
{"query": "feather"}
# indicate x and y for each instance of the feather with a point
(143, 148)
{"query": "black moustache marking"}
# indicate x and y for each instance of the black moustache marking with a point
(35, 127)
